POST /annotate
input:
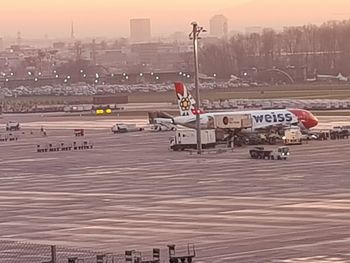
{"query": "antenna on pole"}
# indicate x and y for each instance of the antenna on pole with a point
(72, 36)
(19, 38)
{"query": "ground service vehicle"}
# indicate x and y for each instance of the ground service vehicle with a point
(122, 128)
(163, 126)
(79, 132)
(311, 136)
(292, 136)
(281, 153)
(12, 126)
(187, 139)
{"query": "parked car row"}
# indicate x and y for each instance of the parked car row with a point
(84, 89)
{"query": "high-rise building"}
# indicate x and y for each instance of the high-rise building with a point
(218, 26)
(140, 30)
(1, 44)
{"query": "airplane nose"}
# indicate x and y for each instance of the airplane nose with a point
(315, 121)
(311, 121)
(305, 117)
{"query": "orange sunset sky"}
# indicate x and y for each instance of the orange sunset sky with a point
(110, 18)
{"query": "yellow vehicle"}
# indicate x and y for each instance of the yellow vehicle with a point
(103, 111)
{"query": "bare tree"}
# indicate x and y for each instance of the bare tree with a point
(324, 49)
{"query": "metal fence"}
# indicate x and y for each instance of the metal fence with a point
(20, 252)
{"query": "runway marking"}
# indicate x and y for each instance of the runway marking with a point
(27, 160)
(130, 190)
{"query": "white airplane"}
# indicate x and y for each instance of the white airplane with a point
(261, 119)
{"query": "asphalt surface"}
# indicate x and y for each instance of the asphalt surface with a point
(131, 192)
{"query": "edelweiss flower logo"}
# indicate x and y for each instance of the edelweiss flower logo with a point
(185, 100)
(185, 104)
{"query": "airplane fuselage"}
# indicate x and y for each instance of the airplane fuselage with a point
(260, 118)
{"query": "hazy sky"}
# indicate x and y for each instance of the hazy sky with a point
(35, 18)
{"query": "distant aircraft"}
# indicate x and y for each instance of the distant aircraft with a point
(261, 119)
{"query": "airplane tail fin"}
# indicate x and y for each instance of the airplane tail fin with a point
(185, 100)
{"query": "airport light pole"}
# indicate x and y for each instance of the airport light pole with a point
(194, 35)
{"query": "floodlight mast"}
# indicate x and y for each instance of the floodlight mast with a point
(194, 35)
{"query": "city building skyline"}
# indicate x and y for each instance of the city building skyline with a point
(140, 30)
(218, 26)
(110, 18)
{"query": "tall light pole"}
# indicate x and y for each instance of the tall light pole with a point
(194, 35)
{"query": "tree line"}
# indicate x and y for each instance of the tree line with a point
(311, 49)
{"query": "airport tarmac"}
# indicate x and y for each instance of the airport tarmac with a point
(70, 121)
(130, 192)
